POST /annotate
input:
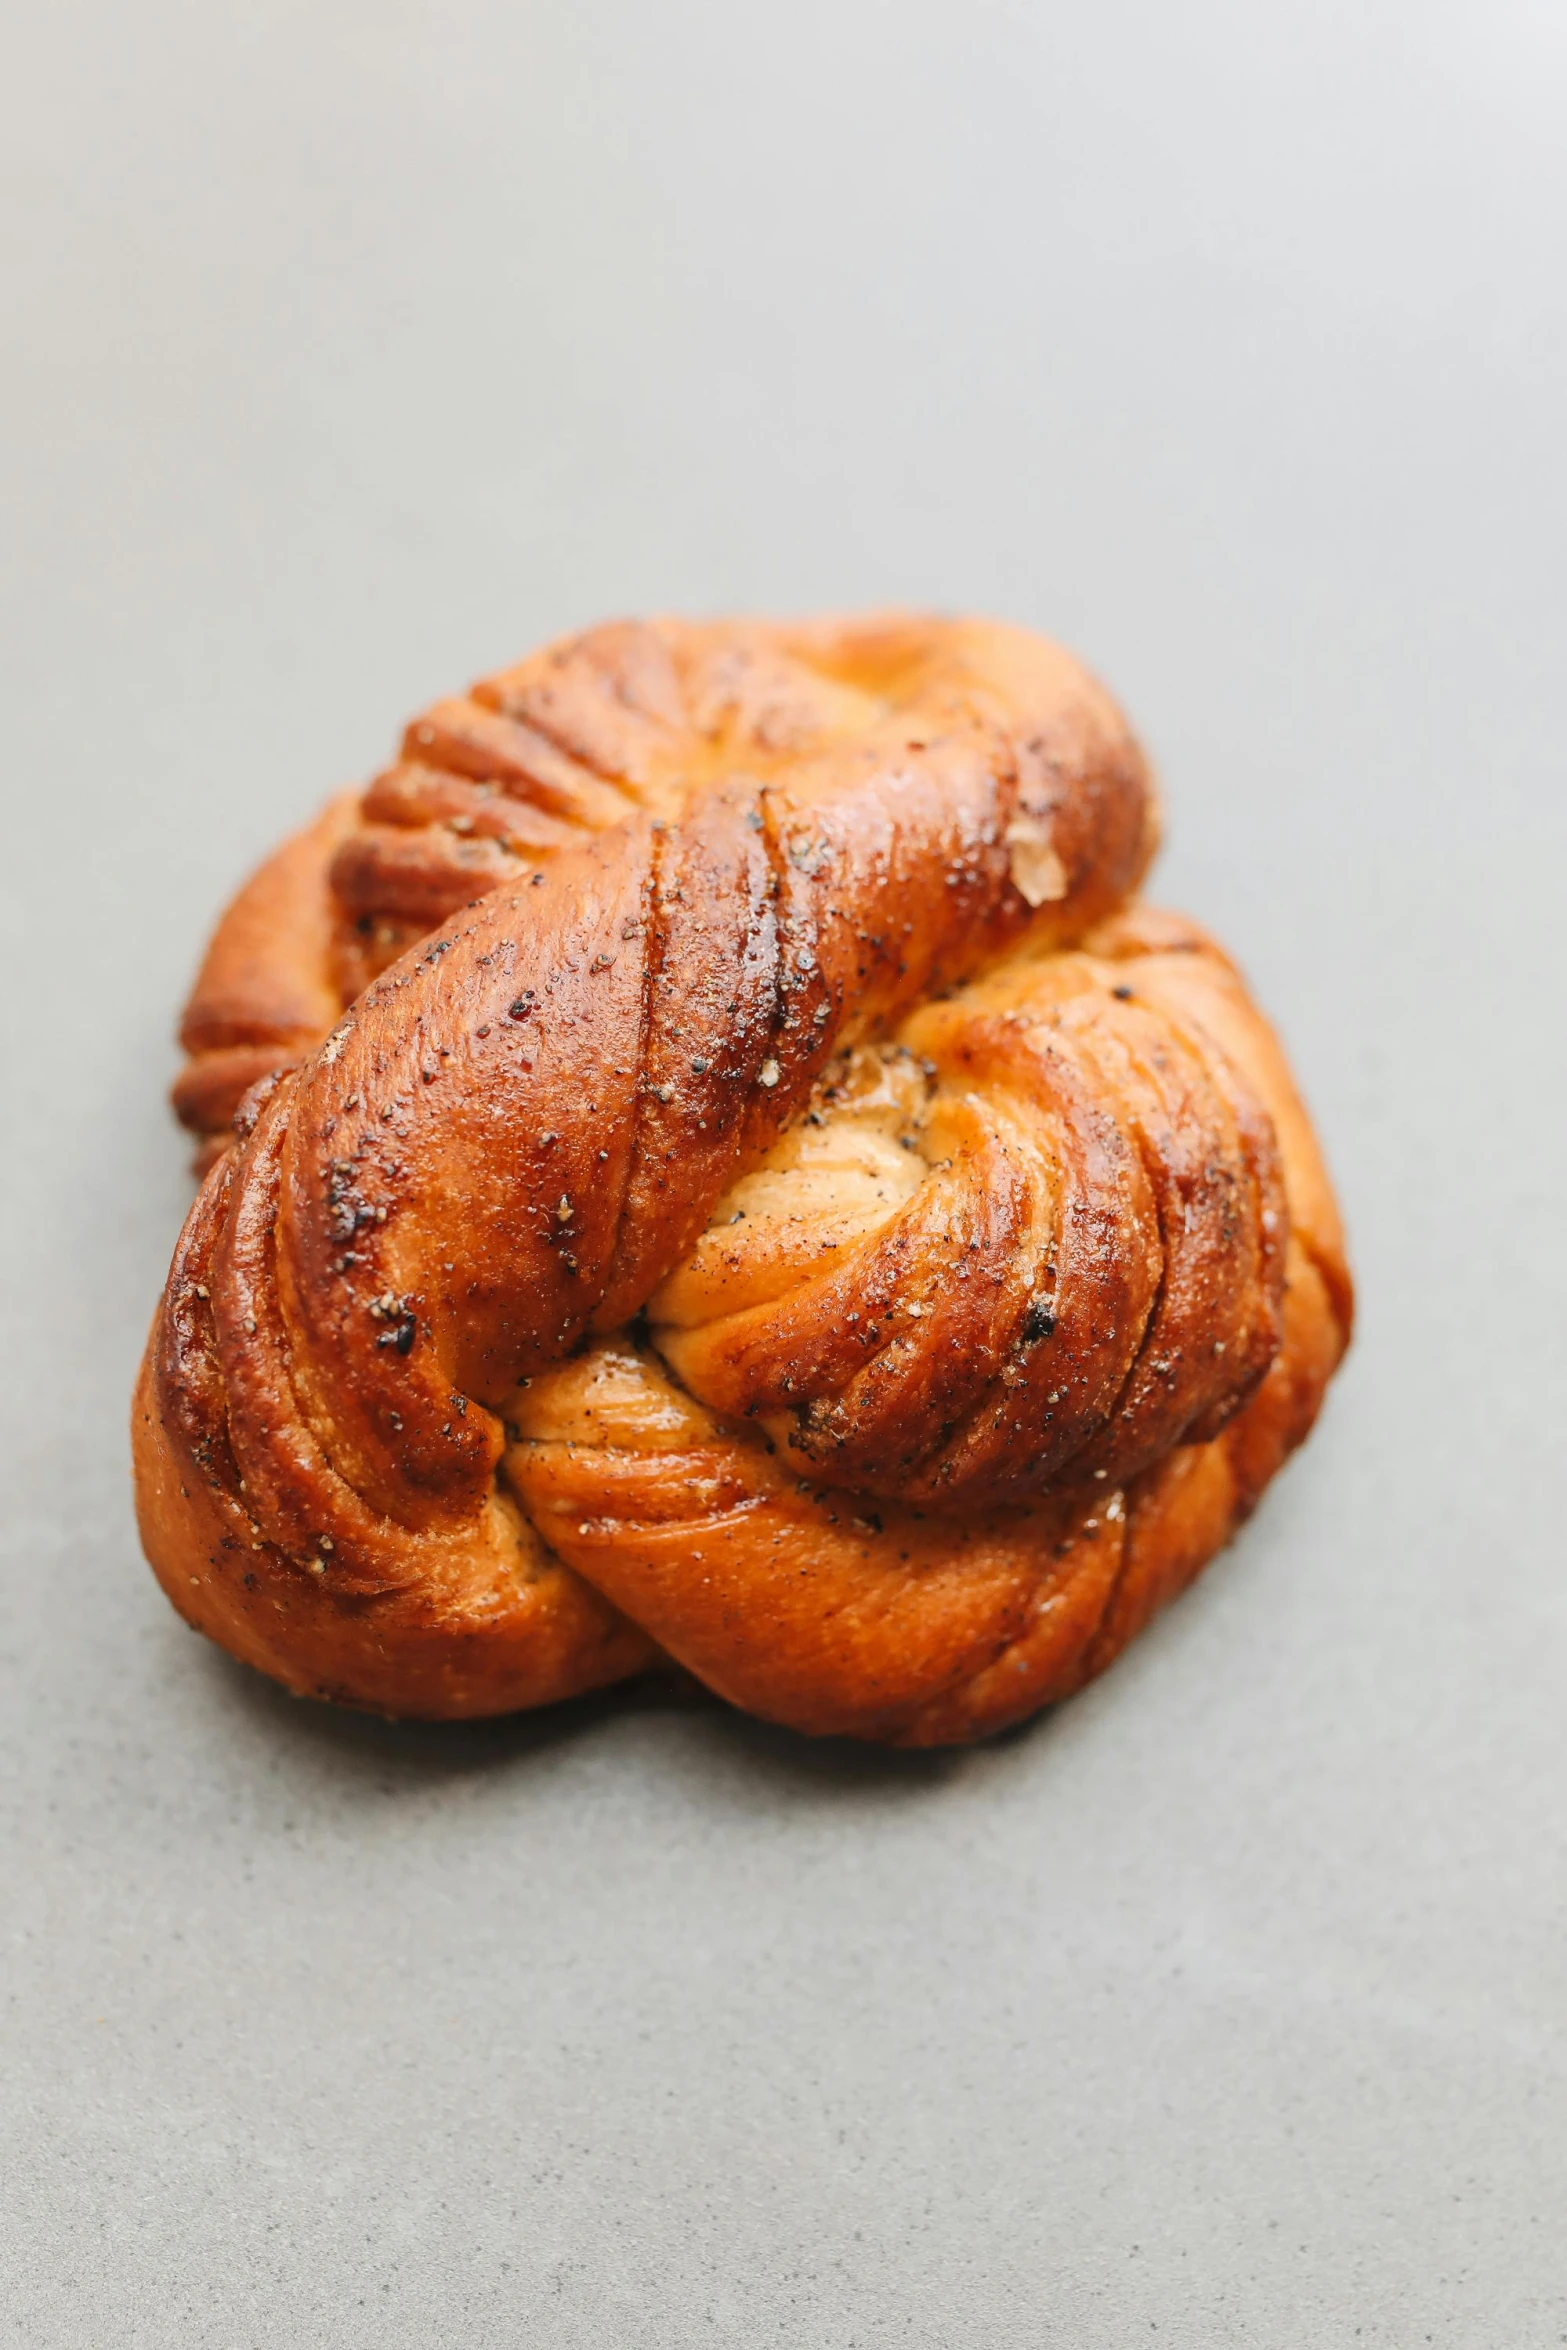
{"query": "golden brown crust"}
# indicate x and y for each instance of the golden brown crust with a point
(981, 1263)
(495, 785)
(268, 988)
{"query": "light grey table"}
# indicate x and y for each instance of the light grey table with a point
(351, 349)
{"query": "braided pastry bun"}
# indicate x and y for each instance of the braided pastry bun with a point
(726, 1173)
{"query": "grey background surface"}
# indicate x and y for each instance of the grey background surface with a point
(353, 348)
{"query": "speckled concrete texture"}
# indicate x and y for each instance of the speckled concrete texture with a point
(353, 348)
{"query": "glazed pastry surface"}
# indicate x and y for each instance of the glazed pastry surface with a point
(727, 1171)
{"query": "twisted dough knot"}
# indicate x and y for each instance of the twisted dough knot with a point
(798, 1221)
